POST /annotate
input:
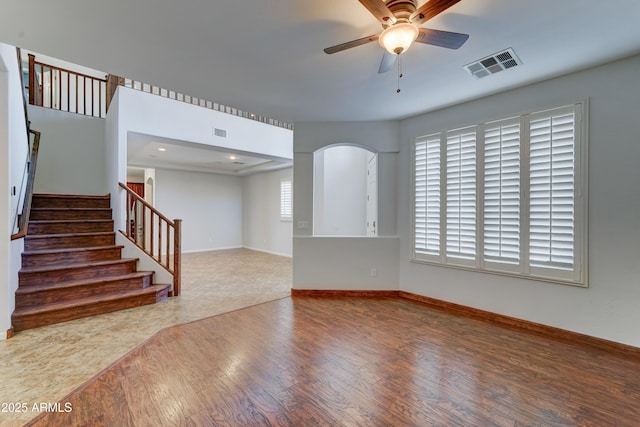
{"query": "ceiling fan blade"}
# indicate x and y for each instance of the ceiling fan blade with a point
(388, 59)
(349, 45)
(380, 10)
(431, 9)
(441, 38)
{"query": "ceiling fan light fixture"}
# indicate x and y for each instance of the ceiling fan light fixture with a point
(398, 38)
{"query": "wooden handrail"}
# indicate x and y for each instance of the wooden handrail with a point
(23, 221)
(62, 94)
(107, 88)
(55, 67)
(23, 216)
(142, 216)
(24, 98)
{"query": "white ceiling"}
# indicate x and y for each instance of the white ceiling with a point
(266, 56)
(157, 152)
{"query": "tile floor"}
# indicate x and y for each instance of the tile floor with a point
(46, 364)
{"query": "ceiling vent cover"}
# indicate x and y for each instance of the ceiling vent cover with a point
(220, 132)
(493, 64)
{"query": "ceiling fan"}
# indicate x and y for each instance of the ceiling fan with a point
(400, 20)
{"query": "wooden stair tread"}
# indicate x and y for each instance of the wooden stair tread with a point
(70, 209)
(72, 196)
(23, 290)
(47, 268)
(49, 236)
(70, 250)
(74, 221)
(80, 302)
(72, 266)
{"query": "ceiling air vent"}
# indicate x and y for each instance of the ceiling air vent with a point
(220, 132)
(493, 64)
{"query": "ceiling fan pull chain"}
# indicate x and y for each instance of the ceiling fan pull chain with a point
(399, 72)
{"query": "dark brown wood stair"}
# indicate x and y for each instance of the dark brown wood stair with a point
(71, 267)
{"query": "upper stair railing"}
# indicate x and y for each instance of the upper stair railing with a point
(66, 90)
(155, 234)
(155, 90)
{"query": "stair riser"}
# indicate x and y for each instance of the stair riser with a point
(40, 201)
(51, 214)
(81, 291)
(78, 257)
(62, 242)
(21, 323)
(68, 217)
(80, 273)
(61, 227)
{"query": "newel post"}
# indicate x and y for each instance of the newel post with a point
(177, 248)
(113, 82)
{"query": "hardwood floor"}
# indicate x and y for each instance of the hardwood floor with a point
(307, 361)
(45, 364)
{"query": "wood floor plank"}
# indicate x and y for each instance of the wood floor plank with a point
(357, 361)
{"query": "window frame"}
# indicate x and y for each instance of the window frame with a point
(286, 200)
(578, 275)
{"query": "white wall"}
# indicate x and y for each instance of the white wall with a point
(262, 228)
(13, 153)
(610, 307)
(345, 262)
(353, 263)
(135, 111)
(209, 205)
(72, 149)
(340, 191)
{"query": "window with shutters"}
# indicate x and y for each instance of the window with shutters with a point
(507, 196)
(286, 200)
(427, 196)
(461, 194)
(501, 243)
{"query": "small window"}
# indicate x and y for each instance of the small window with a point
(286, 199)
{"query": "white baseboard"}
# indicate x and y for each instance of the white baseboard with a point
(193, 251)
(269, 252)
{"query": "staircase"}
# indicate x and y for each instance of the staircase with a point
(71, 267)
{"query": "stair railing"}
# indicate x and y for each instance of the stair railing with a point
(200, 102)
(21, 219)
(155, 234)
(66, 90)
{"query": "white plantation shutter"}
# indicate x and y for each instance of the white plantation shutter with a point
(461, 194)
(502, 192)
(552, 171)
(508, 196)
(427, 195)
(286, 200)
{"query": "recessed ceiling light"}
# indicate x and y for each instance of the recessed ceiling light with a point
(162, 149)
(232, 157)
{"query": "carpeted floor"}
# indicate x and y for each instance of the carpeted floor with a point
(43, 365)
